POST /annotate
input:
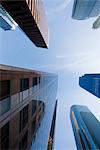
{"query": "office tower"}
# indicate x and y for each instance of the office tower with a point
(86, 128)
(27, 108)
(83, 9)
(91, 83)
(96, 24)
(6, 22)
(30, 16)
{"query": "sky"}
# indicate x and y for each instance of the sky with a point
(74, 49)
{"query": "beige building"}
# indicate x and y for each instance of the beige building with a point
(26, 111)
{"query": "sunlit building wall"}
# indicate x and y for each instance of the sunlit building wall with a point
(27, 105)
(31, 18)
(86, 128)
(83, 9)
(91, 83)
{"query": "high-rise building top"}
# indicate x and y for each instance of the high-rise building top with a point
(91, 83)
(83, 9)
(31, 18)
(86, 128)
(27, 108)
(96, 24)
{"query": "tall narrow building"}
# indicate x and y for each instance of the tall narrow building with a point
(30, 17)
(83, 9)
(52, 130)
(86, 128)
(96, 24)
(27, 108)
(91, 83)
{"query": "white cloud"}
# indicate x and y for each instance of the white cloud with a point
(61, 6)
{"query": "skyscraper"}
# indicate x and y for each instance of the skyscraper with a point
(27, 108)
(86, 128)
(83, 9)
(91, 83)
(30, 16)
(96, 24)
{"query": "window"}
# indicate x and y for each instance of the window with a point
(34, 104)
(5, 137)
(39, 103)
(33, 126)
(81, 140)
(23, 144)
(39, 79)
(24, 84)
(5, 89)
(28, 2)
(5, 105)
(23, 117)
(31, 5)
(86, 139)
(35, 81)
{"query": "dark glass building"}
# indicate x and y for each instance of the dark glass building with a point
(86, 128)
(83, 9)
(27, 108)
(91, 83)
(30, 17)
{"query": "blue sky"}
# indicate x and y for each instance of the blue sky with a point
(74, 49)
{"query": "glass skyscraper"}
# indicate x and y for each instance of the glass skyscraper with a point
(91, 83)
(27, 108)
(86, 128)
(83, 9)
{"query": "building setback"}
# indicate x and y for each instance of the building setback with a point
(27, 108)
(91, 83)
(86, 128)
(30, 16)
(83, 9)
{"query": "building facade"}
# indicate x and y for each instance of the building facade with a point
(83, 9)
(27, 107)
(31, 18)
(91, 83)
(86, 128)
